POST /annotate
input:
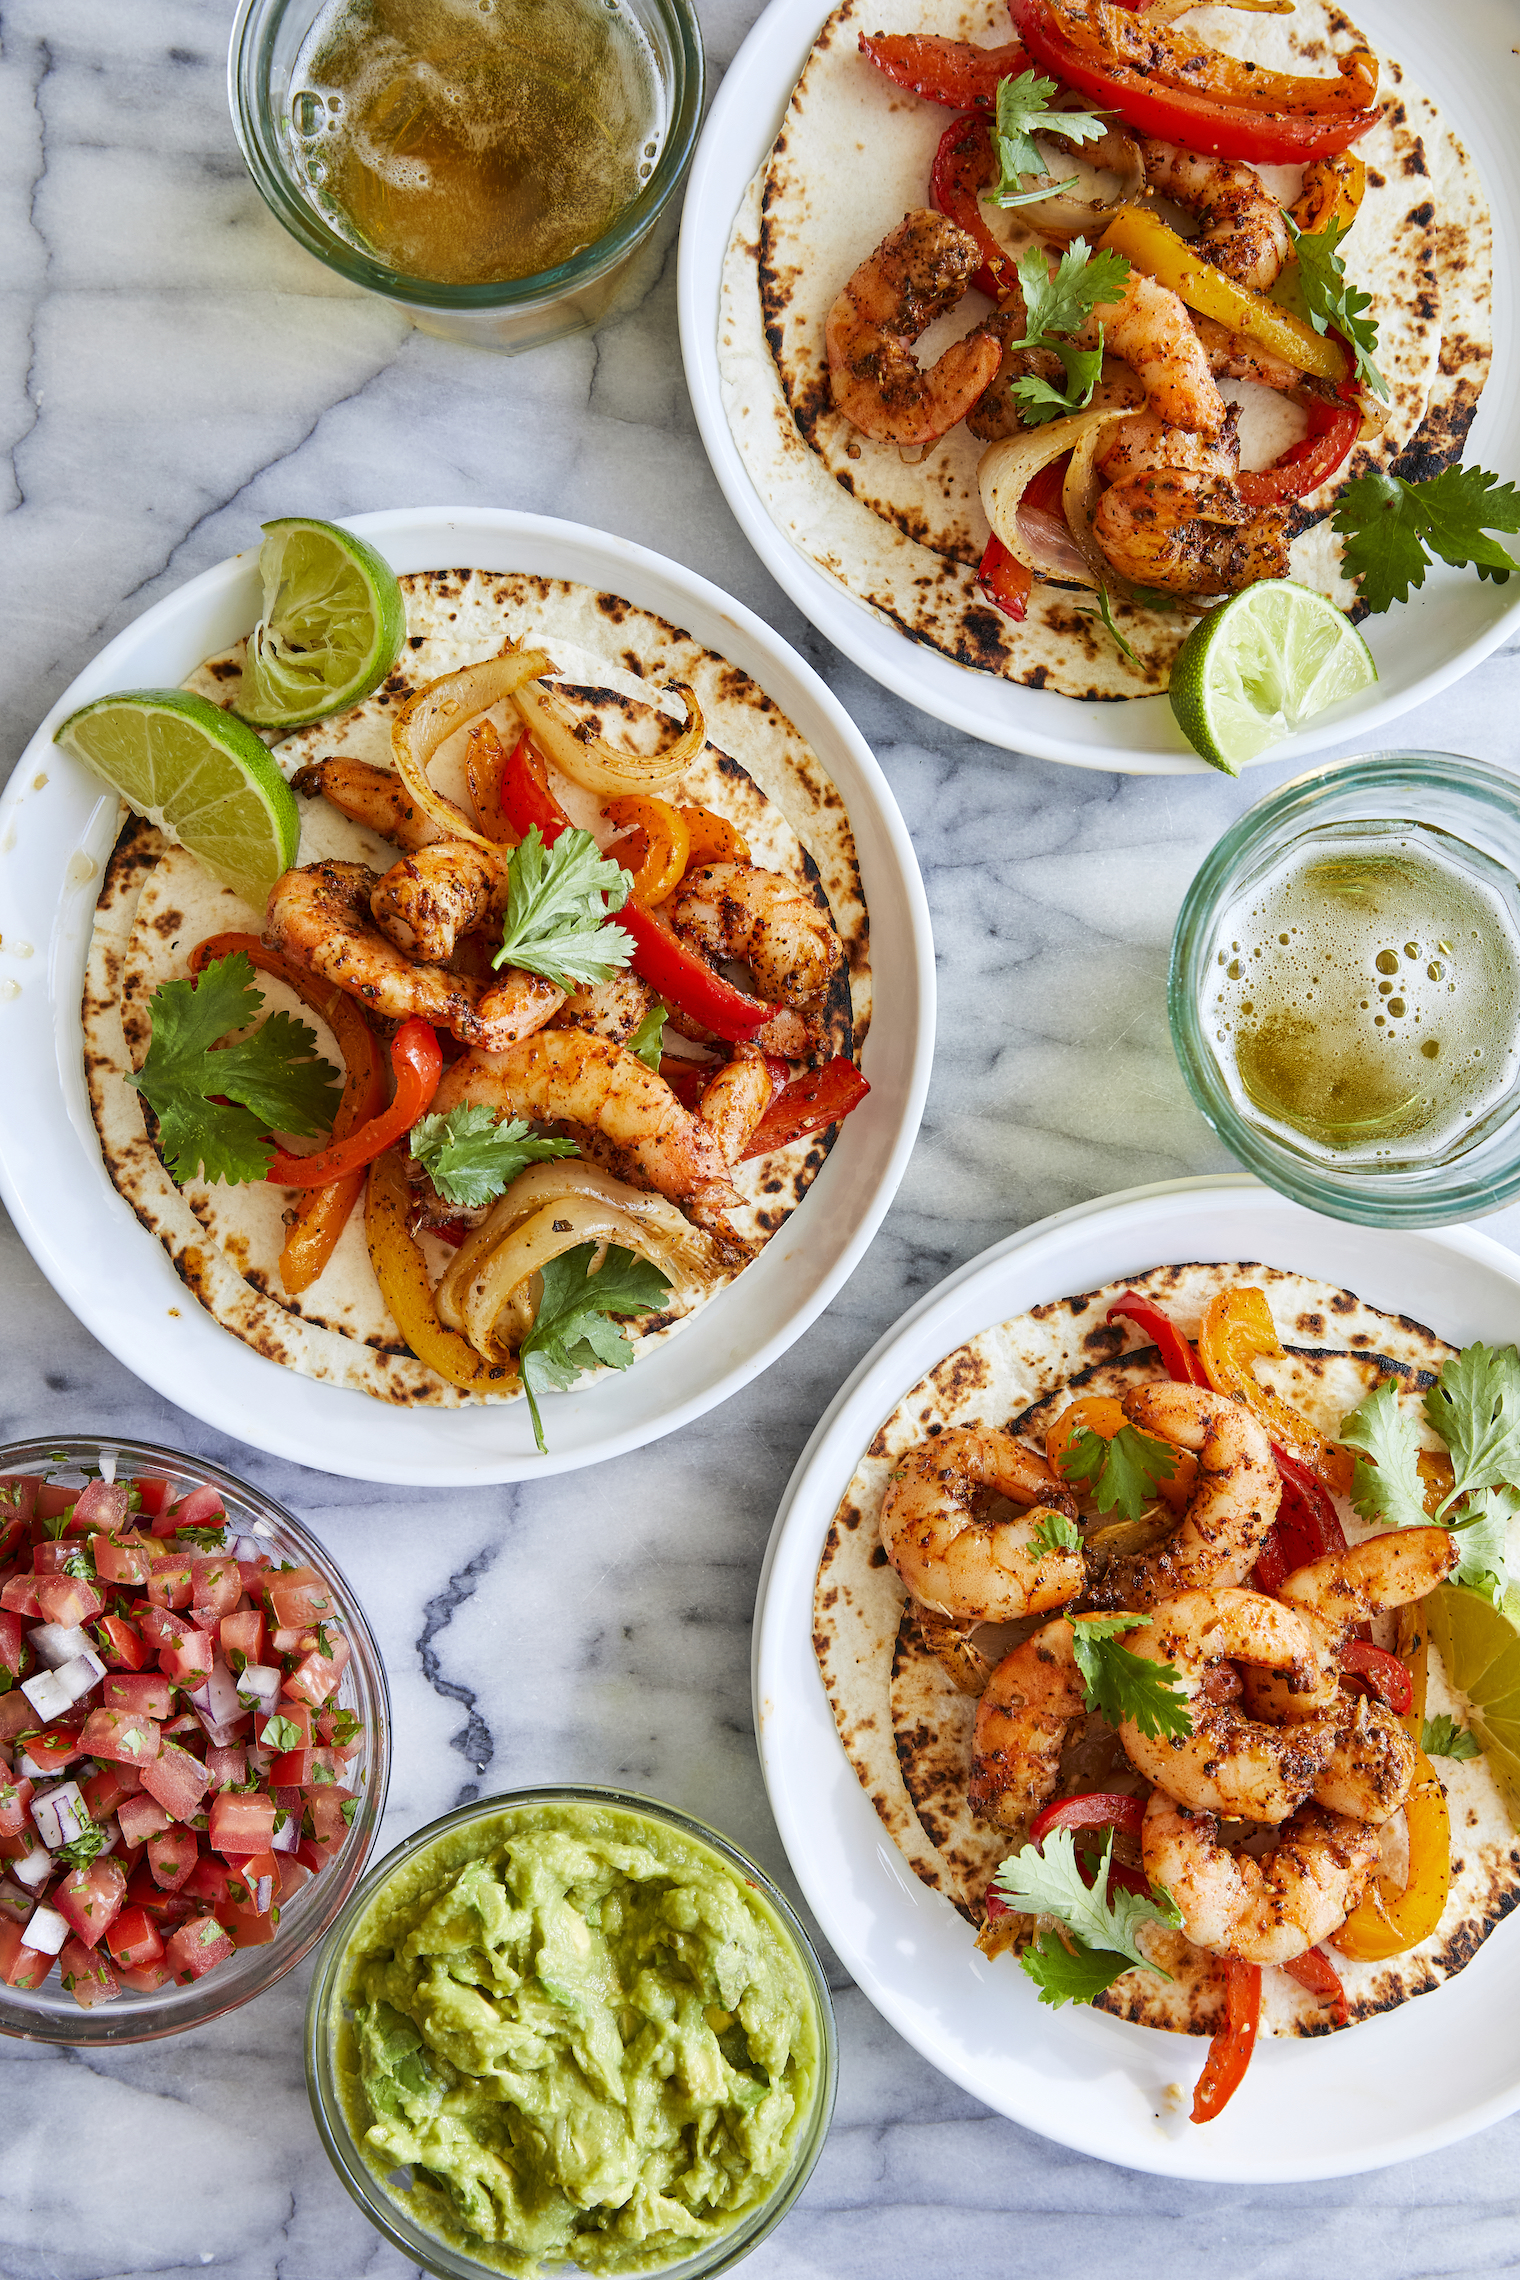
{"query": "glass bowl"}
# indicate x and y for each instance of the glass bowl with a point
(49, 2013)
(1460, 809)
(326, 2023)
(510, 315)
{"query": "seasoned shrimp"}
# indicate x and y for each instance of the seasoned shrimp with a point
(1136, 446)
(1265, 1911)
(917, 273)
(1242, 230)
(320, 918)
(427, 900)
(1150, 329)
(1334, 1594)
(736, 910)
(1370, 1770)
(734, 1100)
(1232, 357)
(979, 1570)
(613, 1008)
(1021, 1721)
(1231, 1763)
(626, 1116)
(372, 796)
(1190, 534)
(1231, 1509)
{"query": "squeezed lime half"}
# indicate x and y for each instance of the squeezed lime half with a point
(332, 625)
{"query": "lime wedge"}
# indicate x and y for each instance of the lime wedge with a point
(1480, 1647)
(1260, 665)
(200, 775)
(332, 625)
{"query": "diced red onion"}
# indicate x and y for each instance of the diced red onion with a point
(46, 1930)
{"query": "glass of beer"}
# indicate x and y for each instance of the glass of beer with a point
(1345, 989)
(497, 168)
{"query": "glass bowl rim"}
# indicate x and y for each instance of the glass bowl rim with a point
(106, 2025)
(338, 2143)
(1369, 1200)
(259, 144)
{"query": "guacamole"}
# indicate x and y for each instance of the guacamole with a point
(582, 2036)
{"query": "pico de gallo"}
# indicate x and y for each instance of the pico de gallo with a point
(174, 1761)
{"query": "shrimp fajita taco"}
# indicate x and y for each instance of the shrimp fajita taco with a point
(1165, 1627)
(556, 1010)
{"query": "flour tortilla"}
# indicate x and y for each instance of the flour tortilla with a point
(907, 1729)
(854, 153)
(157, 903)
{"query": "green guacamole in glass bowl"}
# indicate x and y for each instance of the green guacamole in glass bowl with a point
(570, 2028)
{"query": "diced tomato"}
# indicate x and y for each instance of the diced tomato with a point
(275, 1733)
(102, 1505)
(110, 1787)
(90, 1899)
(241, 1823)
(52, 1558)
(123, 1737)
(141, 1817)
(51, 1502)
(22, 1845)
(299, 1598)
(246, 1928)
(19, 1596)
(188, 1662)
(258, 1876)
(200, 1509)
(12, 1645)
(18, 1493)
(160, 1626)
(253, 1573)
(20, 1966)
(148, 1693)
(195, 1947)
(216, 1588)
(144, 1978)
(90, 1978)
(211, 1882)
(291, 1770)
(163, 1902)
(121, 1559)
(67, 1599)
(171, 1856)
(322, 1822)
(121, 1648)
(55, 1747)
(177, 1780)
(15, 1798)
(242, 1634)
(227, 1768)
(170, 1580)
(153, 1494)
(294, 1872)
(188, 1728)
(316, 1677)
(16, 1715)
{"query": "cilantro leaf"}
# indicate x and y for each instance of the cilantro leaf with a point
(1390, 1488)
(1124, 1471)
(471, 1158)
(1061, 300)
(81, 1850)
(273, 1078)
(1443, 1737)
(1023, 107)
(1392, 529)
(1047, 1881)
(571, 1331)
(1064, 1975)
(1483, 1536)
(1320, 287)
(557, 903)
(645, 1040)
(1040, 400)
(1475, 1407)
(1123, 1685)
(1057, 1534)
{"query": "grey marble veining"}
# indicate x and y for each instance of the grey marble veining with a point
(173, 370)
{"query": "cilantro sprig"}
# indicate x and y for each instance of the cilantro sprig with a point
(1394, 529)
(572, 1331)
(1318, 289)
(1103, 1925)
(82, 1849)
(647, 1039)
(1474, 1408)
(471, 1158)
(1121, 1685)
(558, 899)
(1124, 1472)
(1024, 108)
(1057, 1534)
(1057, 301)
(273, 1080)
(1443, 1737)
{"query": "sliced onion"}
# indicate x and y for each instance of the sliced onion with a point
(430, 718)
(1007, 468)
(1079, 496)
(1069, 214)
(591, 761)
(1052, 548)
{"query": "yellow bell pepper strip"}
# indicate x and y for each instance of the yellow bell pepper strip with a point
(1157, 251)
(1414, 1652)
(666, 837)
(713, 839)
(1237, 1330)
(1390, 1917)
(401, 1272)
(1333, 190)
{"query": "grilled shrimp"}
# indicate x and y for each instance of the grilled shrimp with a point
(736, 910)
(1150, 329)
(1265, 1911)
(1243, 232)
(427, 900)
(625, 1114)
(1334, 1594)
(1190, 534)
(612, 1009)
(980, 1571)
(1231, 1509)
(1232, 357)
(1232, 1763)
(1137, 446)
(734, 1100)
(320, 918)
(917, 273)
(1021, 1722)
(372, 796)
(1370, 1770)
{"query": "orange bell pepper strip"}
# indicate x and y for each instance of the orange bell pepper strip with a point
(485, 763)
(1237, 1329)
(1152, 248)
(666, 845)
(321, 1214)
(1230, 2051)
(713, 839)
(1393, 1917)
(401, 1271)
(416, 1065)
(1333, 190)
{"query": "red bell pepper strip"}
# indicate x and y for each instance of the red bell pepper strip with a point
(1182, 1364)
(686, 982)
(1333, 429)
(526, 800)
(1385, 1674)
(1230, 2051)
(1199, 121)
(1307, 1526)
(963, 166)
(810, 1103)
(956, 73)
(417, 1065)
(1094, 1809)
(1316, 1972)
(1005, 580)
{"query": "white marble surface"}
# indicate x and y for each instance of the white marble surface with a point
(174, 371)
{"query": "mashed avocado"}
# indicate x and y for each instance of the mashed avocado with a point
(584, 2037)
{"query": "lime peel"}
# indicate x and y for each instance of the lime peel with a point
(1259, 666)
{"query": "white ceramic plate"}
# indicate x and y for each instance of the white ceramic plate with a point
(56, 832)
(1405, 2084)
(1464, 56)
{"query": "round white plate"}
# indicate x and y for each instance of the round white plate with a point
(56, 830)
(1408, 2083)
(1464, 56)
